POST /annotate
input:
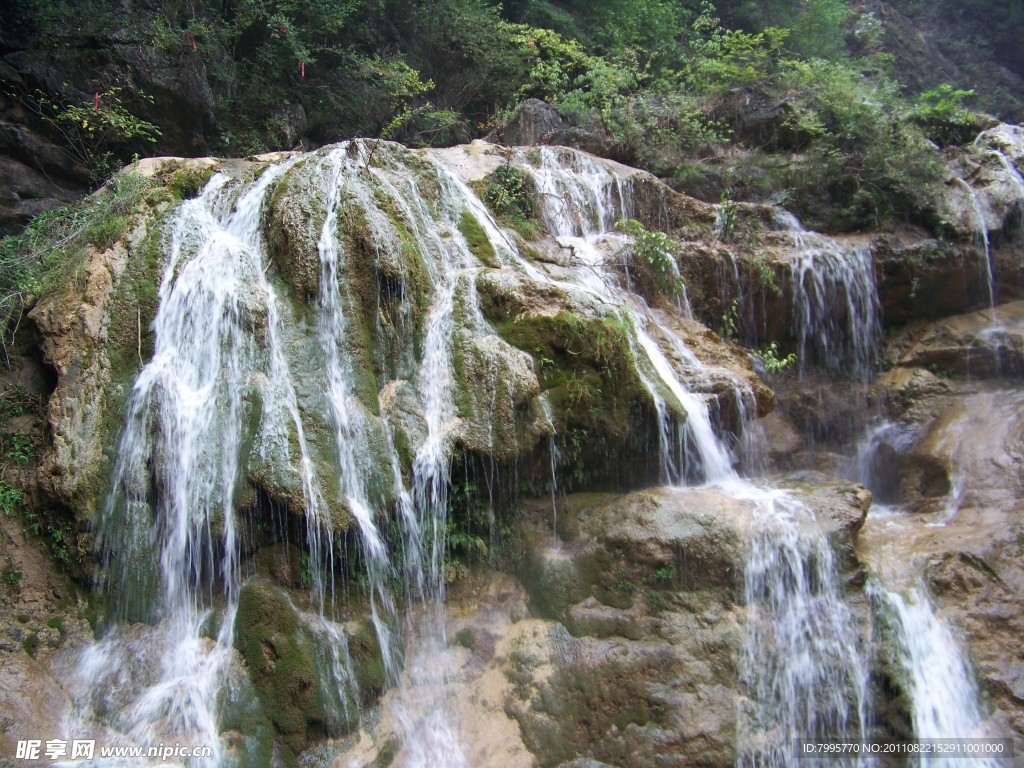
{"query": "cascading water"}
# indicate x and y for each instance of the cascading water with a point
(802, 662)
(938, 681)
(182, 422)
(581, 200)
(982, 240)
(835, 301)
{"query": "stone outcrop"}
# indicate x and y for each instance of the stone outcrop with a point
(983, 344)
(649, 590)
(43, 164)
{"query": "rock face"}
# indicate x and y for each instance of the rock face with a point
(40, 168)
(976, 345)
(649, 588)
(920, 40)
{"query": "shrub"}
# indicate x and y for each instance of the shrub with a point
(654, 256)
(942, 114)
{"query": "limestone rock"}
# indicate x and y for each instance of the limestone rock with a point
(974, 344)
(983, 190)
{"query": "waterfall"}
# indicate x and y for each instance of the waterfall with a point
(581, 199)
(182, 446)
(835, 302)
(229, 386)
(983, 243)
(802, 663)
(937, 679)
(802, 667)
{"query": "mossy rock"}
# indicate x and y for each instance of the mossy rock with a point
(280, 657)
(367, 662)
(603, 414)
(245, 726)
(496, 385)
(476, 239)
(296, 216)
(189, 182)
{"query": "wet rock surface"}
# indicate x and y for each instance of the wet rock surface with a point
(980, 345)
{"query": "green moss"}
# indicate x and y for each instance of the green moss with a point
(553, 584)
(586, 364)
(463, 393)
(242, 712)
(367, 662)
(359, 288)
(477, 240)
(466, 638)
(402, 286)
(31, 644)
(134, 305)
(386, 754)
(527, 228)
(510, 195)
(279, 656)
(189, 182)
(602, 410)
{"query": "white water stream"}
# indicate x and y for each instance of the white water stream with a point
(835, 301)
(983, 243)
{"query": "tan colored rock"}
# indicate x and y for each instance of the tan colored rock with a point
(976, 345)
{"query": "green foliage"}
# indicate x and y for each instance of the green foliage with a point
(507, 194)
(665, 126)
(469, 519)
(727, 216)
(464, 47)
(731, 321)
(773, 362)
(818, 28)
(510, 197)
(53, 533)
(942, 114)
(10, 574)
(816, 25)
(97, 134)
(19, 448)
(766, 275)
(655, 255)
(561, 72)
(663, 577)
(864, 163)
(730, 58)
(10, 499)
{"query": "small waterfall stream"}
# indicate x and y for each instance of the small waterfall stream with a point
(983, 243)
(835, 301)
(939, 682)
